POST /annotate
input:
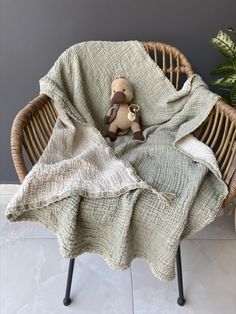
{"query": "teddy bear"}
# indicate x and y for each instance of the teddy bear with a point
(123, 114)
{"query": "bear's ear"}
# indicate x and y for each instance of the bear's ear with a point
(119, 76)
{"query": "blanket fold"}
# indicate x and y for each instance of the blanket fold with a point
(127, 198)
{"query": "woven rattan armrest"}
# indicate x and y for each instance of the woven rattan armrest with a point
(31, 130)
(219, 133)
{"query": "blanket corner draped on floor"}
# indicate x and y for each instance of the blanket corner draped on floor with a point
(128, 198)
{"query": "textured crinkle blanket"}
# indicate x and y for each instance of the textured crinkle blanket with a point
(127, 198)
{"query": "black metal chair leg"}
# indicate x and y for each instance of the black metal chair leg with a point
(181, 299)
(67, 299)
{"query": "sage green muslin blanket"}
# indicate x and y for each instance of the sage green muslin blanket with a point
(127, 198)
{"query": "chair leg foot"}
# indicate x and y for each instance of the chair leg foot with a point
(181, 299)
(67, 299)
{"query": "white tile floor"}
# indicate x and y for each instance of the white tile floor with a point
(33, 275)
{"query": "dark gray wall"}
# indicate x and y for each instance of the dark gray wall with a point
(34, 33)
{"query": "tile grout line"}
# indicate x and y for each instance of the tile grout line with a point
(215, 239)
(17, 238)
(132, 287)
(3, 229)
(55, 238)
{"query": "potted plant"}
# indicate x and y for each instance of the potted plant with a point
(227, 70)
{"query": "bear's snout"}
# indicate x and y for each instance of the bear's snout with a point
(118, 98)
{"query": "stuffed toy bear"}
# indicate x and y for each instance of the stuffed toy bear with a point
(122, 115)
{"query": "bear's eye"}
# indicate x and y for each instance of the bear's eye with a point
(114, 91)
(123, 90)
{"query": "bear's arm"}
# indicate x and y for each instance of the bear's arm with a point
(108, 114)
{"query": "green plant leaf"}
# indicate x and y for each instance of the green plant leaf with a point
(230, 66)
(225, 44)
(227, 80)
(233, 95)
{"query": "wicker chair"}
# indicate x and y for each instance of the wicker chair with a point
(33, 125)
